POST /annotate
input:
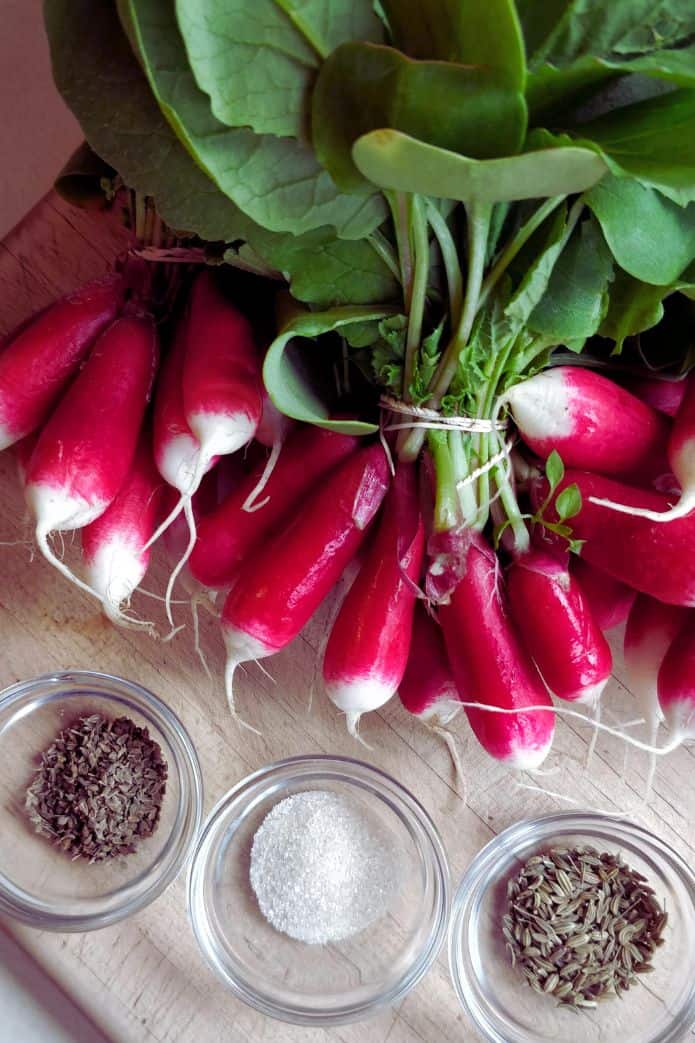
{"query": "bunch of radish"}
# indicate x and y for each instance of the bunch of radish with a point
(128, 440)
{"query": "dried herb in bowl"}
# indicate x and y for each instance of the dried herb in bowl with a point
(581, 925)
(99, 788)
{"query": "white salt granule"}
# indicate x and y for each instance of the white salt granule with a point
(320, 869)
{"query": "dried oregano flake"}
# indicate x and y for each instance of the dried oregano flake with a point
(581, 925)
(99, 788)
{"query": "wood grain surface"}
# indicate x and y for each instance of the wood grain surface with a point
(143, 980)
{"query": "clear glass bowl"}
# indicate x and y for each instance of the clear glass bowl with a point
(318, 984)
(39, 885)
(660, 1009)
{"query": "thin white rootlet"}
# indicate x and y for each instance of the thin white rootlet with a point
(221, 433)
(541, 406)
(240, 647)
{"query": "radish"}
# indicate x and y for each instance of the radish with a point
(652, 626)
(681, 457)
(609, 599)
(221, 374)
(284, 582)
(558, 628)
(676, 684)
(113, 545)
(228, 533)
(85, 450)
(367, 650)
(655, 559)
(209, 402)
(591, 422)
(661, 393)
(45, 353)
(491, 666)
(428, 689)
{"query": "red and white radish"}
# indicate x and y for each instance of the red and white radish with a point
(208, 403)
(591, 422)
(367, 650)
(492, 667)
(681, 457)
(221, 374)
(113, 546)
(40, 359)
(652, 626)
(229, 533)
(86, 448)
(653, 558)
(428, 689)
(676, 684)
(609, 599)
(557, 626)
(283, 583)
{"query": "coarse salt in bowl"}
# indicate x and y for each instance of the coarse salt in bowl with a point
(41, 885)
(344, 980)
(658, 1008)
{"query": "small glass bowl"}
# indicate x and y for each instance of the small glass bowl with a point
(659, 1009)
(318, 984)
(39, 884)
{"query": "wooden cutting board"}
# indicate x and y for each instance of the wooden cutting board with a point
(143, 980)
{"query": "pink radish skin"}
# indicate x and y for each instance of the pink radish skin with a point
(428, 689)
(113, 545)
(609, 599)
(681, 457)
(652, 626)
(676, 685)
(661, 394)
(655, 559)
(591, 422)
(558, 628)
(40, 359)
(367, 650)
(86, 449)
(229, 533)
(221, 373)
(284, 582)
(491, 665)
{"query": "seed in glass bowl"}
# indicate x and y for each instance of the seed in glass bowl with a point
(581, 925)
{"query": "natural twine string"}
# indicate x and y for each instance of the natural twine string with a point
(435, 421)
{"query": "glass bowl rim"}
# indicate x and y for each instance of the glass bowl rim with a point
(150, 883)
(298, 768)
(543, 829)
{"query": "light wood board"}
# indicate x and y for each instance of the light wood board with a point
(144, 980)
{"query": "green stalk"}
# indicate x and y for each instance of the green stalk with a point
(511, 507)
(450, 258)
(383, 248)
(420, 248)
(446, 506)
(478, 227)
(464, 490)
(514, 246)
(398, 202)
